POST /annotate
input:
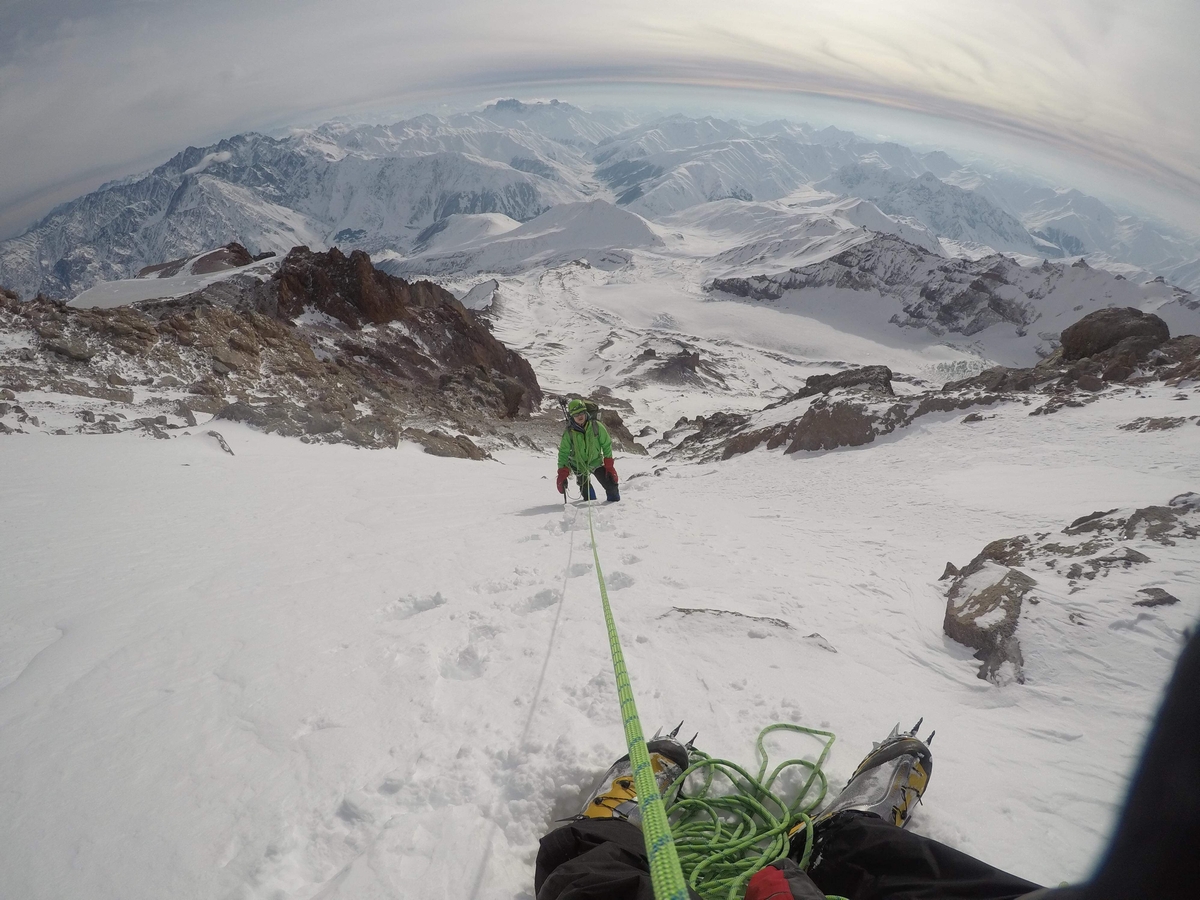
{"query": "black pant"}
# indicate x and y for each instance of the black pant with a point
(1155, 852)
(611, 491)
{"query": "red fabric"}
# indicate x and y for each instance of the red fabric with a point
(563, 474)
(768, 884)
(610, 469)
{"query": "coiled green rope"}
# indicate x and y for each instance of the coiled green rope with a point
(724, 837)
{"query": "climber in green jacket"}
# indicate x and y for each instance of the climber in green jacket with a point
(586, 450)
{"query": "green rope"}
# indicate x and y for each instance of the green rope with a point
(720, 839)
(666, 876)
(725, 836)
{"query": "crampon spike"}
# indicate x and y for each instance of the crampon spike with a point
(929, 740)
(676, 731)
(692, 743)
(657, 734)
(913, 730)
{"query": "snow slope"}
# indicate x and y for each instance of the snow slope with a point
(313, 671)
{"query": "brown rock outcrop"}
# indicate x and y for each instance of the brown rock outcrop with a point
(1106, 328)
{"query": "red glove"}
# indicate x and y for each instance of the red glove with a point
(563, 474)
(782, 880)
(610, 469)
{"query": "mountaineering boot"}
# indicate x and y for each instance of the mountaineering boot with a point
(888, 783)
(616, 797)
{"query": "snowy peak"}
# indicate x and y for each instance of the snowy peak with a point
(948, 211)
(595, 231)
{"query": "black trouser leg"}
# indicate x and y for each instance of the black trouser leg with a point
(584, 483)
(861, 856)
(610, 487)
(593, 859)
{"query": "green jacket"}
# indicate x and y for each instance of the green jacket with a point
(584, 451)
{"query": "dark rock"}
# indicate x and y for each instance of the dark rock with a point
(950, 571)
(1122, 557)
(1090, 382)
(438, 443)
(985, 618)
(1105, 328)
(1155, 597)
(116, 380)
(620, 434)
(221, 440)
(70, 348)
(181, 410)
(230, 360)
(827, 426)
(88, 416)
(679, 369)
(7, 395)
(878, 377)
(1146, 423)
(231, 256)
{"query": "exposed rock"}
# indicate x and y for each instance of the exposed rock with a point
(182, 410)
(221, 440)
(231, 256)
(827, 426)
(1122, 558)
(950, 571)
(71, 349)
(876, 377)
(438, 443)
(620, 434)
(1162, 423)
(1155, 597)
(384, 351)
(987, 598)
(1105, 328)
(982, 610)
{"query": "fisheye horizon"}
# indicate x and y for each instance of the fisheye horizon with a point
(97, 91)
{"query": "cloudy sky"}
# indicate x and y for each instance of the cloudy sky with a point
(94, 89)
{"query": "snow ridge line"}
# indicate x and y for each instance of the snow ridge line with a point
(666, 874)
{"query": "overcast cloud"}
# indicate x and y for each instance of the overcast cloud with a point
(90, 90)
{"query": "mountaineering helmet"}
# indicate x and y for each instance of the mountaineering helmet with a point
(575, 407)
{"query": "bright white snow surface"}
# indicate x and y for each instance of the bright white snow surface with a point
(315, 671)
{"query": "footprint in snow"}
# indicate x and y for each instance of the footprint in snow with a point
(465, 665)
(541, 600)
(407, 607)
(579, 569)
(619, 580)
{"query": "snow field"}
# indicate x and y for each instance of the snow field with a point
(311, 671)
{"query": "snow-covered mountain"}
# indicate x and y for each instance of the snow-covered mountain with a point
(1011, 313)
(394, 190)
(951, 212)
(565, 233)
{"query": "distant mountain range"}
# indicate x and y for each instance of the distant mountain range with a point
(420, 193)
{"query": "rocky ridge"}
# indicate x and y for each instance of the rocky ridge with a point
(1117, 569)
(967, 296)
(1126, 349)
(328, 349)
